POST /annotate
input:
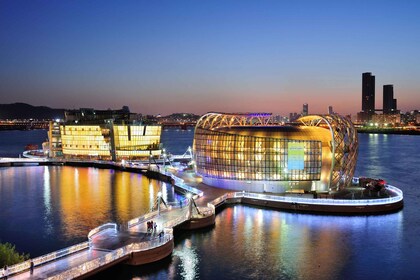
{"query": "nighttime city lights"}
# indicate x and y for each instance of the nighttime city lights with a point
(209, 139)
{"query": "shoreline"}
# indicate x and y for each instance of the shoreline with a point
(388, 131)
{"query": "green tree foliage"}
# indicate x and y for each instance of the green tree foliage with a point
(9, 255)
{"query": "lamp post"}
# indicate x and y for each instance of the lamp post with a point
(189, 197)
(159, 200)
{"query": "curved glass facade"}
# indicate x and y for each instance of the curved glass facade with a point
(239, 157)
(250, 152)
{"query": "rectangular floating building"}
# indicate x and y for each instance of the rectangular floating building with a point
(104, 135)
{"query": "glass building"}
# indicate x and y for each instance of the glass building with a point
(106, 142)
(251, 152)
(103, 134)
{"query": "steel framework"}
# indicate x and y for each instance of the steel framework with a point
(215, 120)
(344, 146)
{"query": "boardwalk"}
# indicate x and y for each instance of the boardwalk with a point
(106, 242)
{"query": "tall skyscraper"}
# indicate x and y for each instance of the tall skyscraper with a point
(389, 103)
(368, 93)
(305, 109)
(330, 110)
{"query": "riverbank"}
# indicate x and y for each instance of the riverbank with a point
(388, 131)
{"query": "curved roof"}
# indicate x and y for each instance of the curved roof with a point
(344, 146)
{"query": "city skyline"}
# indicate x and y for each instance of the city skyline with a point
(161, 58)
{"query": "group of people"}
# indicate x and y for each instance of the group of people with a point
(151, 227)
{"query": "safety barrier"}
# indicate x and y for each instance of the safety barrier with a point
(101, 228)
(115, 255)
(46, 258)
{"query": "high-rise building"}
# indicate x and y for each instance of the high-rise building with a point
(368, 93)
(330, 110)
(388, 100)
(305, 109)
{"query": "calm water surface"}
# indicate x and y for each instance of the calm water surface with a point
(247, 242)
(44, 208)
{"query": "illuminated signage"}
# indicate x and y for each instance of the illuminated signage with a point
(295, 156)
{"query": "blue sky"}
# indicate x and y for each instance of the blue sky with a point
(199, 56)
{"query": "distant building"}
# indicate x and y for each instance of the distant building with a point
(368, 93)
(305, 109)
(362, 117)
(293, 117)
(104, 135)
(330, 110)
(90, 115)
(389, 103)
(386, 119)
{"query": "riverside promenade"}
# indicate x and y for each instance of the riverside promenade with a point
(133, 243)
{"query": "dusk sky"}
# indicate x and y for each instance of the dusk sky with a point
(200, 56)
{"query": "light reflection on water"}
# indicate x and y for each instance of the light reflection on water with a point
(255, 243)
(247, 242)
(47, 208)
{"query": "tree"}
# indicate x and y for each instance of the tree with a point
(9, 255)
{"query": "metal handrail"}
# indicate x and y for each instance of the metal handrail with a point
(46, 258)
(101, 228)
(323, 201)
(148, 216)
(89, 266)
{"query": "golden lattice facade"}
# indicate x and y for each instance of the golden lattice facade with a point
(250, 152)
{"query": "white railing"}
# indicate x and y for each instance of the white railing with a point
(180, 183)
(114, 256)
(46, 258)
(178, 204)
(180, 219)
(148, 216)
(315, 201)
(101, 228)
(324, 201)
(206, 211)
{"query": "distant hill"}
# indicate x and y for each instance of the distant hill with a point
(26, 111)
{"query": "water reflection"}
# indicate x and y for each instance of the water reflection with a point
(53, 207)
(188, 260)
(47, 202)
(253, 242)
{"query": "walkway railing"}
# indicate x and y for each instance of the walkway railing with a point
(181, 183)
(145, 217)
(17, 268)
(101, 228)
(114, 256)
(325, 201)
(174, 222)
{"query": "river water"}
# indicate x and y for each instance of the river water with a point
(47, 208)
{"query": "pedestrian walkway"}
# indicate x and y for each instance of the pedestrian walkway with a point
(109, 245)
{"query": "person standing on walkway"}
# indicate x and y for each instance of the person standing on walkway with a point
(5, 272)
(155, 227)
(32, 267)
